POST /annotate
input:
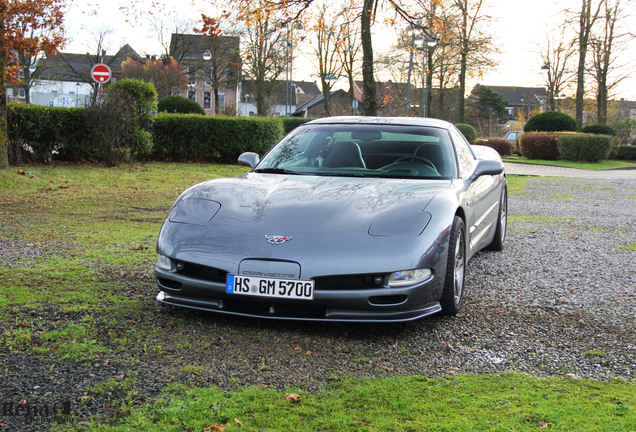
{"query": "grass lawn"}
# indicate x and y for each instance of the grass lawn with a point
(606, 164)
(78, 241)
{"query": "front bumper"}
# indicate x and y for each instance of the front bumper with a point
(346, 305)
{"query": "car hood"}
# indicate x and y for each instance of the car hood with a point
(323, 217)
(309, 203)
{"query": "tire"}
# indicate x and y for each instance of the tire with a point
(502, 224)
(453, 292)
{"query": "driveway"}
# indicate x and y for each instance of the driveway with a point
(554, 171)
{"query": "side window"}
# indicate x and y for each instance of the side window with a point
(465, 157)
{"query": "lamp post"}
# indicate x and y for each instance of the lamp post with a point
(77, 89)
(207, 56)
(431, 42)
(414, 37)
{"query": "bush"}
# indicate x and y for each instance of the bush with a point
(584, 147)
(39, 134)
(179, 105)
(291, 123)
(598, 129)
(502, 145)
(182, 137)
(551, 121)
(142, 99)
(113, 128)
(468, 131)
(626, 152)
(539, 145)
(142, 95)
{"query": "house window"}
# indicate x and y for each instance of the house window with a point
(192, 94)
(21, 93)
(207, 100)
(221, 101)
(192, 75)
(207, 75)
(9, 92)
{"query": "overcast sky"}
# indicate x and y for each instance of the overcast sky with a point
(519, 30)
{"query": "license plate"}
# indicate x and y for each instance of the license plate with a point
(270, 287)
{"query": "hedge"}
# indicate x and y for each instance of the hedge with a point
(626, 152)
(469, 132)
(551, 121)
(502, 145)
(179, 104)
(187, 137)
(38, 133)
(291, 123)
(539, 145)
(584, 147)
(598, 129)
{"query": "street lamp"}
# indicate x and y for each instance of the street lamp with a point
(431, 42)
(77, 89)
(207, 56)
(289, 58)
(414, 37)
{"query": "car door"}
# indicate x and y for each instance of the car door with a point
(481, 195)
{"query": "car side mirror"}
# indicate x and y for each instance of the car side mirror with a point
(488, 167)
(248, 159)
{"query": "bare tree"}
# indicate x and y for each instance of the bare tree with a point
(350, 45)
(327, 31)
(557, 55)
(606, 42)
(586, 19)
(474, 45)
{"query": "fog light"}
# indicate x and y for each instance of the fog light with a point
(409, 277)
(164, 263)
(180, 266)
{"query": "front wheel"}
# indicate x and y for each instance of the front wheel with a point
(453, 293)
(502, 223)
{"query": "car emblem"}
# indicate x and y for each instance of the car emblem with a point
(276, 240)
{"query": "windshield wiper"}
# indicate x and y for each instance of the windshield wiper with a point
(274, 171)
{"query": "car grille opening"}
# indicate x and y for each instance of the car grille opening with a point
(392, 300)
(170, 284)
(197, 271)
(352, 282)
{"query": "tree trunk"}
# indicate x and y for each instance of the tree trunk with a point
(370, 103)
(326, 93)
(4, 136)
(462, 89)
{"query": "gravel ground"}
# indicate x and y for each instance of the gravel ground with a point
(559, 300)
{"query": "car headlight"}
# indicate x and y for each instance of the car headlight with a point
(409, 277)
(164, 263)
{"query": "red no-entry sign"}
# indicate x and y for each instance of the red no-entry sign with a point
(101, 73)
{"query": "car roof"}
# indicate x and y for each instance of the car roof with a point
(398, 121)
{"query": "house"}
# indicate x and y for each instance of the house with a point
(315, 107)
(280, 102)
(523, 102)
(64, 79)
(213, 69)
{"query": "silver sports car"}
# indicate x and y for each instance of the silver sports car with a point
(345, 219)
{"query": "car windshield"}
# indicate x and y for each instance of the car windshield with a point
(390, 151)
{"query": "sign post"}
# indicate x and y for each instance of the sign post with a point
(101, 73)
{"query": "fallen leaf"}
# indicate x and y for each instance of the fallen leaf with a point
(292, 397)
(238, 422)
(216, 427)
(544, 425)
(21, 172)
